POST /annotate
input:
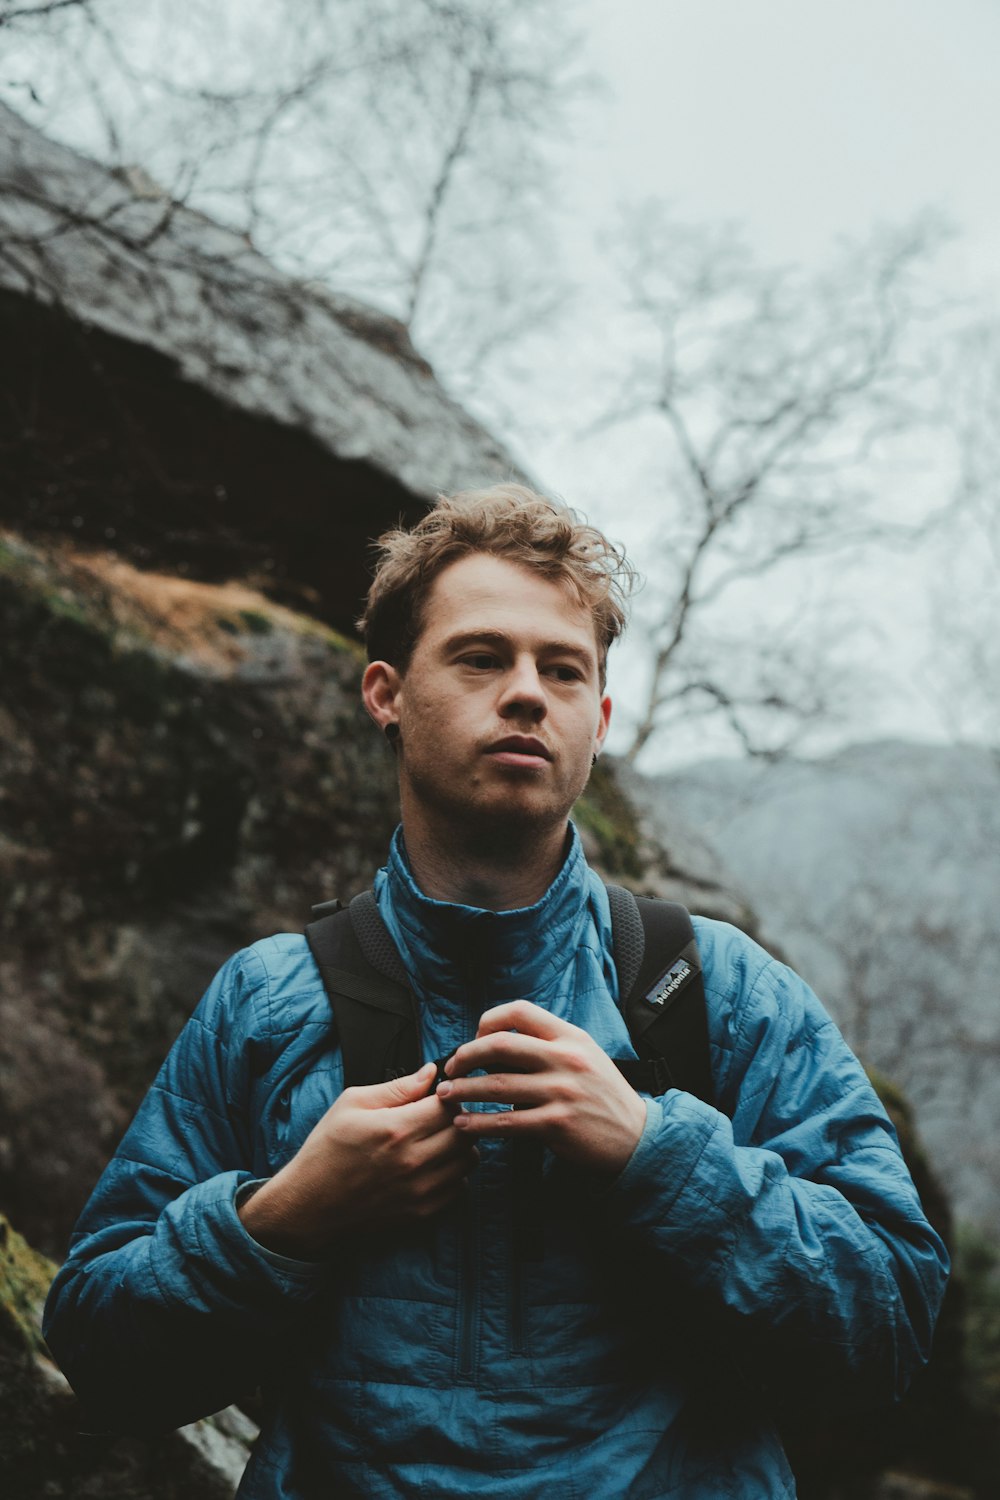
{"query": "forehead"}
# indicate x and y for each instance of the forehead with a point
(491, 593)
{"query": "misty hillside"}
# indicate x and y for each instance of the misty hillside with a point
(877, 872)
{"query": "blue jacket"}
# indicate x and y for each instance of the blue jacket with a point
(779, 1238)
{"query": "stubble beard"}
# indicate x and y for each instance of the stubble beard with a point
(505, 832)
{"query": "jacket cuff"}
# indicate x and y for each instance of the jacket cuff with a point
(208, 1253)
(285, 1263)
(678, 1129)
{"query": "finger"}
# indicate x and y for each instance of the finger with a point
(435, 1151)
(424, 1120)
(523, 1016)
(506, 1049)
(396, 1091)
(538, 1120)
(392, 1125)
(520, 1090)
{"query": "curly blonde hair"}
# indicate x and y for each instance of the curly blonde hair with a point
(508, 521)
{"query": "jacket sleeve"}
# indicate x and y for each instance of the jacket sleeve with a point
(166, 1309)
(790, 1209)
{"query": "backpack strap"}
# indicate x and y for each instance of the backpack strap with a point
(373, 1005)
(662, 995)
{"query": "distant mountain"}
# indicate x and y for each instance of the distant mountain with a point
(877, 873)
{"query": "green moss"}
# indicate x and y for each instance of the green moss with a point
(67, 608)
(896, 1103)
(22, 566)
(255, 622)
(306, 625)
(245, 622)
(900, 1112)
(978, 1265)
(10, 562)
(260, 622)
(25, 1277)
(608, 815)
(596, 822)
(17, 559)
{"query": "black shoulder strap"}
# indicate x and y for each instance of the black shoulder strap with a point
(662, 996)
(659, 978)
(373, 1006)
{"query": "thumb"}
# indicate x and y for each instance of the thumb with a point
(396, 1091)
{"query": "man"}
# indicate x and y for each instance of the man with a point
(360, 1253)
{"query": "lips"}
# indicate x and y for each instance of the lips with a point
(519, 749)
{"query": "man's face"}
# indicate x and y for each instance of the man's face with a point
(500, 709)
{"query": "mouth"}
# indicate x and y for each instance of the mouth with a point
(519, 750)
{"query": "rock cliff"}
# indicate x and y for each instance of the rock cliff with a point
(168, 391)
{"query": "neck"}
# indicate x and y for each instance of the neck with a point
(497, 869)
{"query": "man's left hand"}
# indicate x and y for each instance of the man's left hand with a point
(564, 1089)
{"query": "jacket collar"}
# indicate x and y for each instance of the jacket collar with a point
(455, 951)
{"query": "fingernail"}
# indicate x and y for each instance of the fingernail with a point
(444, 1089)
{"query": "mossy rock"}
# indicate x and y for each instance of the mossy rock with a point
(25, 1277)
(900, 1111)
(42, 1449)
(605, 812)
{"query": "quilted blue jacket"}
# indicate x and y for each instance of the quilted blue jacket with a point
(630, 1353)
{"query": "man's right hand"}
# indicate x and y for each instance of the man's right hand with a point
(380, 1155)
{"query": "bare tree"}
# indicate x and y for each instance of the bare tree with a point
(770, 398)
(398, 149)
(965, 664)
(35, 10)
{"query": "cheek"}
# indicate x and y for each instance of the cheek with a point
(587, 731)
(437, 718)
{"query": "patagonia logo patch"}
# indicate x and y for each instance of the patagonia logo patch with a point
(669, 983)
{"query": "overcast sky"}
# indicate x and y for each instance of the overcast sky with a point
(805, 121)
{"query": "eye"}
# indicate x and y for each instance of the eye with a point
(564, 672)
(480, 661)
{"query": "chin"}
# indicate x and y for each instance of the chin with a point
(521, 814)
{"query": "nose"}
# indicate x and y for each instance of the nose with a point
(523, 691)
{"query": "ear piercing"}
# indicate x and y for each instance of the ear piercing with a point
(391, 732)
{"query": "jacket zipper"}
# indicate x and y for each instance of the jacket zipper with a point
(468, 1305)
(468, 1292)
(526, 1238)
(515, 1310)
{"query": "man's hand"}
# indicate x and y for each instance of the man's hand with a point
(564, 1089)
(379, 1155)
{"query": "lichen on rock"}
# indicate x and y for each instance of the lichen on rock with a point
(24, 1281)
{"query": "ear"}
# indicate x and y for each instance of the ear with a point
(602, 723)
(379, 690)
